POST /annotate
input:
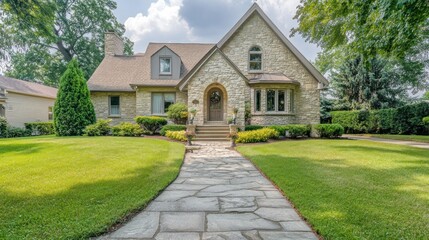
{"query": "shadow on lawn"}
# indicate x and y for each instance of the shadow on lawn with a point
(84, 210)
(354, 201)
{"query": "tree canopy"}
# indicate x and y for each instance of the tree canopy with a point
(41, 36)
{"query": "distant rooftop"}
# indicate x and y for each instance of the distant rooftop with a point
(25, 87)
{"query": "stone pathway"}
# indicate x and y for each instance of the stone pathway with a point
(218, 195)
(391, 141)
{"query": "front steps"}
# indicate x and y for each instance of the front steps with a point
(212, 133)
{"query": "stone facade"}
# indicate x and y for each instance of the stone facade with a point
(144, 98)
(100, 100)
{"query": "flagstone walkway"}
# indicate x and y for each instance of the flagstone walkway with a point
(218, 195)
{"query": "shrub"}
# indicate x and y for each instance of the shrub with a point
(3, 127)
(329, 130)
(260, 135)
(281, 129)
(151, 124)
(100, 128)
(127, 129)
(252, 127)
(298, 130)
(178, 113)
(13, 132)
(426, 120)
(166, 128)
(73, 109)
(40, 128)
(176, 135)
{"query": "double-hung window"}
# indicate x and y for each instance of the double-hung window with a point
(165, 65)
(280, 100)
(255, 59)
(114, 106)
(161, 102)
(50, 113)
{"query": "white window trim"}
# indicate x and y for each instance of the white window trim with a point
(163, 100)
(260, 100)
(288, 98)
(262, 60)
(171, 66)
(110, 108)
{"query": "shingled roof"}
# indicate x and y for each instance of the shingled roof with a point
(117, 73)
(25, 87)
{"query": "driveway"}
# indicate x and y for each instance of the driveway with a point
(218, 195)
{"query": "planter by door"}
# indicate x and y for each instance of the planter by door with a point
(215, 105)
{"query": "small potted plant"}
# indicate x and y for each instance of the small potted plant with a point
(233, 137)
(189, 136)
(234, 118)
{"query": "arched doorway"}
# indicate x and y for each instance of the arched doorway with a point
(215, 104)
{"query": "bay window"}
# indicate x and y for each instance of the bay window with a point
(280, 100)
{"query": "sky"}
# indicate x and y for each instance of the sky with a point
(205, 21)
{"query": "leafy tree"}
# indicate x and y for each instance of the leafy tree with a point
(40, 50)
(73, 109)
(426, 96)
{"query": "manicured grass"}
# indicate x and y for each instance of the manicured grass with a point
(77, 187)
(416, 138)
(351, 189)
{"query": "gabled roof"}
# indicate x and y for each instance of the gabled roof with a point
(257, 10)
(119, 73)
(28, 88)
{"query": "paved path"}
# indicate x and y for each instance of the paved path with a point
(392, 141)
(218, 195)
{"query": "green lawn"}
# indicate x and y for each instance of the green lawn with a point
(77, 187)
(351, 189)
(416, 138)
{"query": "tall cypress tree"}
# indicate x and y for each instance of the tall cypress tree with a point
(73, 109)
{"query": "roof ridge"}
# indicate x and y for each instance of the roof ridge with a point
(25, 81)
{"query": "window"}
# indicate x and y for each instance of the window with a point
(257, 100)
(255, 59)
(161, 102)
(50, 113)
(280, 100)
(165, 65)
(114, 108)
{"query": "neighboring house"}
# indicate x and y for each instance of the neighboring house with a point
(22, 102)
(254, 65)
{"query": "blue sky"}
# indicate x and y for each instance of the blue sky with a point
(200, 20)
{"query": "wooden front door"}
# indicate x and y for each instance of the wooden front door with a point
(215, 104)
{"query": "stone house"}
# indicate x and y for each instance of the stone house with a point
(254, 64)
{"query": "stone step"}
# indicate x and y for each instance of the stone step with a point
(221, 135)
(211, 139)
(212, 131)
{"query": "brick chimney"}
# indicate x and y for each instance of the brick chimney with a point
(113, 44)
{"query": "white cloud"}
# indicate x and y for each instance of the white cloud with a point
(162, 20)
(282, 10)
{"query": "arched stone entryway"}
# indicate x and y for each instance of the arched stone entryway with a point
(215, 103)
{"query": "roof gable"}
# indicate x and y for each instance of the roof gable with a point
(255, 9)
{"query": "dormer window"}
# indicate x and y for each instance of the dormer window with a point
(255, 59)
(165, 65)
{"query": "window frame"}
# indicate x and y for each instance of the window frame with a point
(288, 100)
(163, 100)
(250, 61)
(255, 109)
(171, 66)
(50, 113)
(110, 106)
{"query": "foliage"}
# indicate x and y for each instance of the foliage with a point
(3, 127)
(426, 120)
(63, 181)
(151, 124)
(126, 129)
(176, 135)
(403, 120)
(247, 112)
(298, 130)
(426, 96)
(166, 128)
(13, 132)
(252, 127)
(40, 37)
(40, 128)
(100, 128)
(73, 108)
(329, 130)
(178, 113)
(281, 129)
(260, 135)
(326, 106)
(334, 182)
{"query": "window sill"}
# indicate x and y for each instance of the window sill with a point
(159, 115)
(114, 116)
(273, 114)
(165, 74)
(256, 71)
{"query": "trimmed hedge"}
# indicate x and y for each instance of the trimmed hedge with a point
(100, 128)
(3, 127)
(403, 120)
(298, 130)
(426, 120)
(329, 130)
(40, 128)
(176, 135)
(166, 128)
(127, 129)
(252, 127)
(151, 124)
(178, 113)
(260, 135)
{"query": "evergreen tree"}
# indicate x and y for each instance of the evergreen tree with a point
(73, 109)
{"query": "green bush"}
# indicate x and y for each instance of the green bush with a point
(100, 128)
(176, 135)
(252, 127)
(178, 113)
(260, 135)
(127, 129)
(426, 120)
(298, 130)
(3, 127)
(329, 130)
(40, 128)
(13, 132)
(151, 124)
(166, 128)
(281, 129)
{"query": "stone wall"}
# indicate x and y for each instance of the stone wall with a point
(100, 100)
(277, 58)
(144, 98)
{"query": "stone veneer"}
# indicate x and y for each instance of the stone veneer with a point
(144, 98)
(100, 100)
